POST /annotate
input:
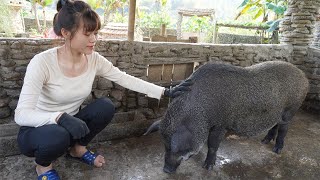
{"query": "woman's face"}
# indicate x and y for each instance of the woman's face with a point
(83, 42)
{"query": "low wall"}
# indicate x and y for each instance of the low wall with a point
(133, 58)
(312, 70)
(236, 39)
(149, 32)
(30, 24)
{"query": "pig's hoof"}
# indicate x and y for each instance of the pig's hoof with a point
(277, 150)
(266, 140)
(169, 170)
(207, 166)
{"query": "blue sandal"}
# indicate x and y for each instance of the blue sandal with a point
(88, 157)
(49, 175)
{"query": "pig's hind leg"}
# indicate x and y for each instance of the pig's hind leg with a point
(287, 116)
(216, 135)
(272, 133)
(280, 130)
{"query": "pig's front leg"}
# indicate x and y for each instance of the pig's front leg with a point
(216, 135)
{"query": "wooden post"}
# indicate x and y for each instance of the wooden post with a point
(215, 32)
(179, 23)
(131, 24)
(163, 30)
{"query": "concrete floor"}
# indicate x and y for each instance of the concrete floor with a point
(238, 158)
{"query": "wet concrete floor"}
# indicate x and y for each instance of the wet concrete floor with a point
(140, 158)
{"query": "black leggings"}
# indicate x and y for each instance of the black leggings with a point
(47, 143)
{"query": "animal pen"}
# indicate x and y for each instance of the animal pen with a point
(164, 64)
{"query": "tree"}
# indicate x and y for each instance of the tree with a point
(95, 4)
(110, 6)
(6, 26)
(197, 24)
(42, 3)
(36, 18)
(156, 17)
(264, 9)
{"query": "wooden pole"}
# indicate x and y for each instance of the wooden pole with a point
(163, 30)
(215, 32)
(131, 24)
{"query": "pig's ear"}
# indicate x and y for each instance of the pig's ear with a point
(181, 140)
(154, 127)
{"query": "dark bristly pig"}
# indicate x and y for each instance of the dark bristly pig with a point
(246, 101)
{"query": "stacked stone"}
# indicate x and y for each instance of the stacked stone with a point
(316, 40)
(6, 73)
(298, 26)
(14, 58)
(131, 57)
(297, 29)
(15, 55)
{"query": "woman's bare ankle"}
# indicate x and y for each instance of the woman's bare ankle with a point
(42, 169)
(77, 150)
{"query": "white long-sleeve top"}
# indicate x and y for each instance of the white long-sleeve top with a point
(47, 92)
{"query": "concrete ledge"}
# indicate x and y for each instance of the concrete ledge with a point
(124, 124)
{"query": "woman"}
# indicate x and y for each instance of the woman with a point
(56, 83)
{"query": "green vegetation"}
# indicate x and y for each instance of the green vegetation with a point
(255, 17)
(149, 18)
(261, 25)
(43, 4)
(269, 11)
(5, 25)
(119, 18)
(113, 10)
(196, 24)
(154, 19)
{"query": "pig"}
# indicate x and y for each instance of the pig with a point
(243, 100)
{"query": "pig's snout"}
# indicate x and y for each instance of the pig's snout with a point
(171, 163)
(169, 169)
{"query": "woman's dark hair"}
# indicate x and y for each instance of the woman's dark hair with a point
(71, 13)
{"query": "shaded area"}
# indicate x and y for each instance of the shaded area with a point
(238, 158)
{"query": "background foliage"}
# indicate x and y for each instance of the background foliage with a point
(5, 25)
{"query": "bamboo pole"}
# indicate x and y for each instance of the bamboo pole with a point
(131, 24)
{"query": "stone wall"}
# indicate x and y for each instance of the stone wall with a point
(312, 69)
(316, 38)
(135, 112)
(132, 57)
(298, 26)
(224, 38)
(149, 32)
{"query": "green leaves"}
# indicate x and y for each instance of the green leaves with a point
(277, 8)
(164, 2)
(95, 3)
(42, 3)
(264, 9)
(5, 25)
(245, 2)
(259, 13)
(273, 25)
(47, 2)
(196, 24)
(154, 19)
